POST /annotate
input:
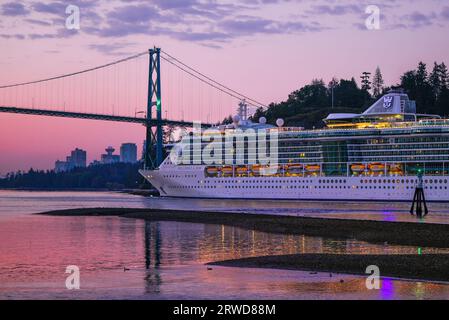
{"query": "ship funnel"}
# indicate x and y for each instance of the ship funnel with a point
(394, 102)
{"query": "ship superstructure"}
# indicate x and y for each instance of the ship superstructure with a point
(375, 155)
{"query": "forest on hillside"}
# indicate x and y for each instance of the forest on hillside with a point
(108, 176)
(307, 106)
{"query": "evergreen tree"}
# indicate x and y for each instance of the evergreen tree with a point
(421, 74)
(435, 80)
(378, 83)
(444, 76)
(366, 83)
(416, 83)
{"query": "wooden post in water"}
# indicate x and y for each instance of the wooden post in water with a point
(419, 199)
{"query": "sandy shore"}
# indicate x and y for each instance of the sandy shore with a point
(424, 267)
(400, 233)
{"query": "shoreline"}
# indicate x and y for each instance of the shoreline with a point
(395, 233)
(427, 267)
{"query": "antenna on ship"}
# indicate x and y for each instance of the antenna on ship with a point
(243, 110)
(419, 199)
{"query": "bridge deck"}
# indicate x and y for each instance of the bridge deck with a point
(90, 116)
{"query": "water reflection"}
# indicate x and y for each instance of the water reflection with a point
(166, 259)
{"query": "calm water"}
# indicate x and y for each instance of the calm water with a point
(166, 259)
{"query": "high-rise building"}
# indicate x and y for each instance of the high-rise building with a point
(60, 166)
(109, 157)
(77, 159)
(128, 153)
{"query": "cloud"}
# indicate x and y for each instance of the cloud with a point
(134, 14)
(252, 25)
(418, 19)
(59, 7)
(445, 13)
(39, 22)
(14, 9)
(12, 36)
(210, 22)
(336, 10)
(56, 7)
(60, 34)
(111, 48)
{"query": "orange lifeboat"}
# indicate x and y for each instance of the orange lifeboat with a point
(241, 171)
(227, 171)
(395, 169)
(255, 170)
(212, 171)
(312, 168)
(294, 169)
(376, 167)
(270, 170)
(358, 167)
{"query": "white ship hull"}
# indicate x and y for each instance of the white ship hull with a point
(190, 182)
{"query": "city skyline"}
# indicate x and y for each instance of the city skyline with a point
(249, 45)
(90, 160)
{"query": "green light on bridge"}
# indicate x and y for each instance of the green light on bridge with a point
(158, 104)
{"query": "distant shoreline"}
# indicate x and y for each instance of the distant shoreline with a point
(139, 192)
(56, 189)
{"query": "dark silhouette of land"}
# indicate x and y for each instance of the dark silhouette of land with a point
(108, 176)
(427, 266)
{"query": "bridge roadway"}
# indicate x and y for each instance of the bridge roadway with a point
(92, 116)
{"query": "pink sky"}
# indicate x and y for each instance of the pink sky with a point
(264, 49)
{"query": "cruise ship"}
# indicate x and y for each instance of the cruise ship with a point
(374, 156)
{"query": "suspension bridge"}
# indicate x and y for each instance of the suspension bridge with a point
(129, 90)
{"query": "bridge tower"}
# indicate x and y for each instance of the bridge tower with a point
(154, 134)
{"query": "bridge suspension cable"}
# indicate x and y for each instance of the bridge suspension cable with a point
(208, 80)
(76, 73)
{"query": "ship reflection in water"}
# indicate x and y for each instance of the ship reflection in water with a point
(165, 260)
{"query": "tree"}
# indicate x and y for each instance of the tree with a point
(444, 76)
(421, 74)
(416, 83)
(378, 83)
(435, 80)
(366, 83)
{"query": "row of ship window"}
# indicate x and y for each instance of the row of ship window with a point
(254, 181)
(179, 176)
(403, 181)
(300, 187)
